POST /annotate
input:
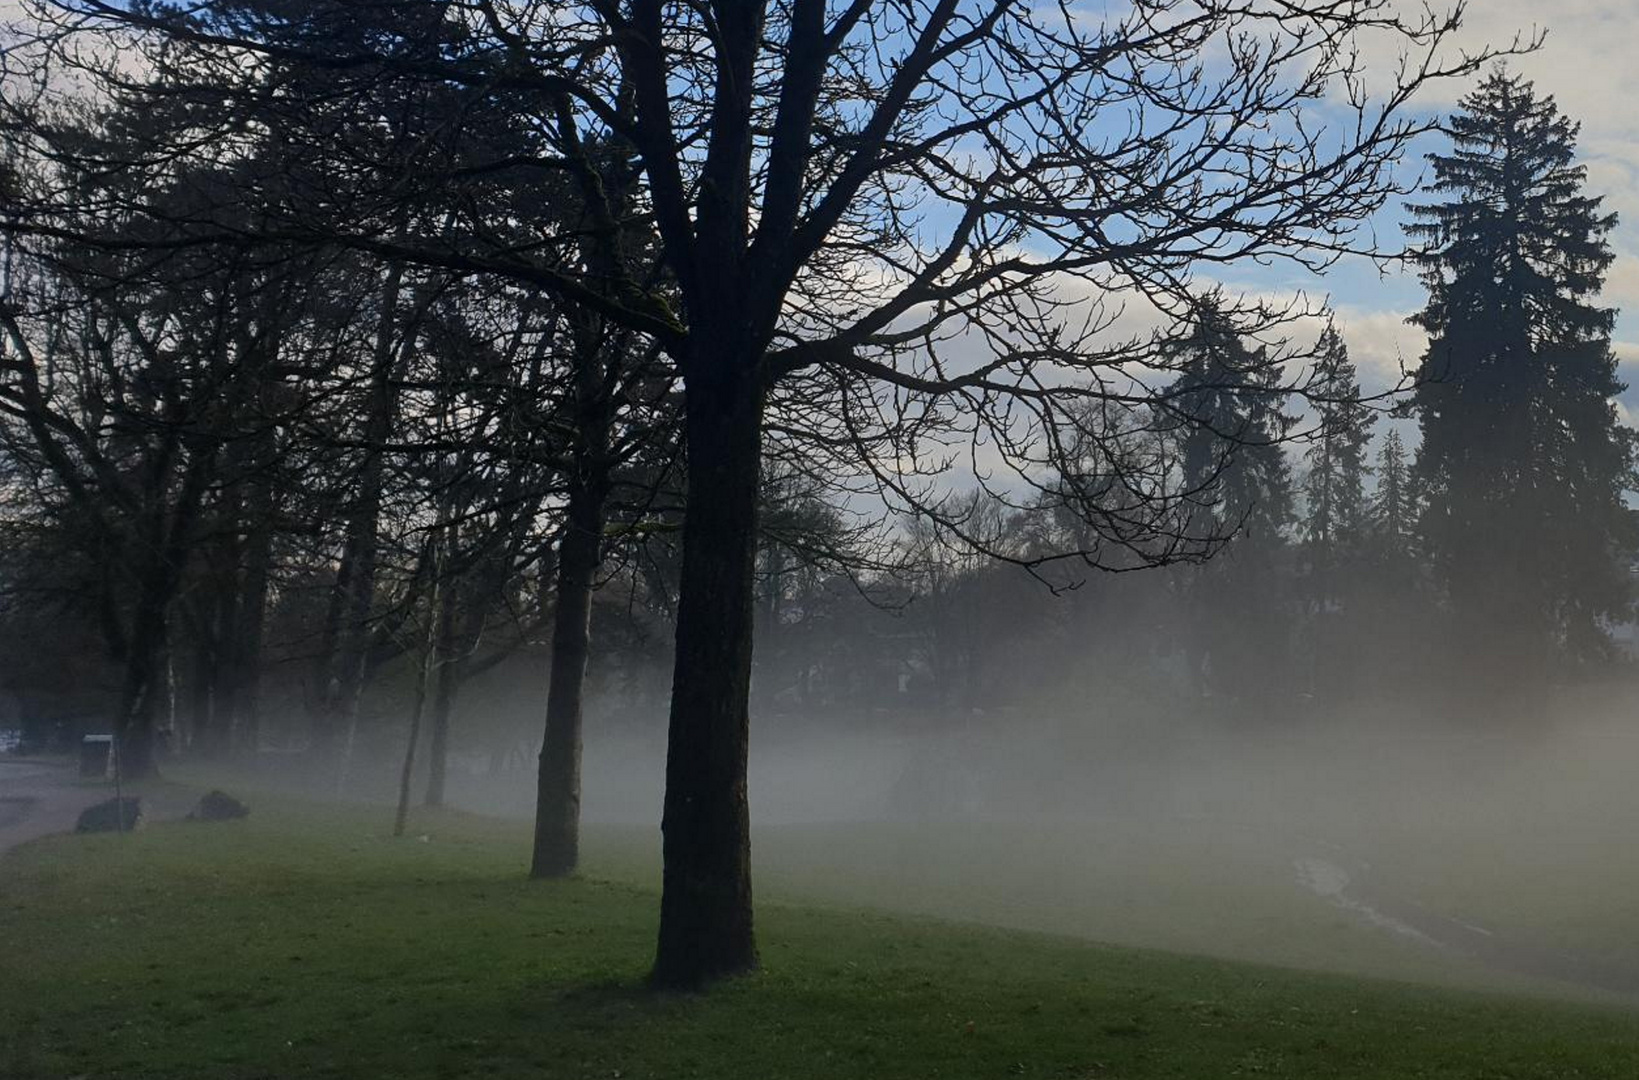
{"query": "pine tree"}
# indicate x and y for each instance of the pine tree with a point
(1388, 595)
(1523, 462)
(1393, 509)
(1231, 452)
(1331, 526)
(1335, 486)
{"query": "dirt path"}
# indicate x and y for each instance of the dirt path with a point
(1354, 893)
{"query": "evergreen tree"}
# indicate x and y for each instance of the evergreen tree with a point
(1335, 486)
(1523, 462)
(1387, 595)
(1331, 527)
(1393, 509)
(1229, 398)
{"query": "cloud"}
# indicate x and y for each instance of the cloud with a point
(1381, 343)
(1586, 60)
(1622, 284)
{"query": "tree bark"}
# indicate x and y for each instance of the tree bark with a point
(705, 909)
(557, 791)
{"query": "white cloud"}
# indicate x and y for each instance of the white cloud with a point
(1622, 284)
(1381, 343)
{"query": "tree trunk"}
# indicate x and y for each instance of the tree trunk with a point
(557, 790)
(249, 634)
(225, 674)
(202, 691)
(451, 666)
(346, 660)
(347, 630)
(144, 692)
(424, 674)
(439, 605)
(705, 908)
(148, 660)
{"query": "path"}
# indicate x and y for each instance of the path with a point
(1354, 894)
(39, 798)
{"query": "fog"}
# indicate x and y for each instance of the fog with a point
(1201, 758)
(1368, 840)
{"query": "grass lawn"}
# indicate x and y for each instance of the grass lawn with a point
(305, 942)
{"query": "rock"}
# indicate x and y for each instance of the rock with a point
(111, 815)
(218, 806)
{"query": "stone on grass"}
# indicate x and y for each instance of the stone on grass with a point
(111, 815)
(218, 806)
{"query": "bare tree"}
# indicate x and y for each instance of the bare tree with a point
(920, 220)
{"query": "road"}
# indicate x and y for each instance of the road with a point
(38, 798)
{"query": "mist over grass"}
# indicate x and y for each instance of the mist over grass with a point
(306, 941)
(1185, 831)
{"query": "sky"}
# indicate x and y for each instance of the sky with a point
(1589, 63)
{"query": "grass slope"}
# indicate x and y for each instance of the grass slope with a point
(304, 942)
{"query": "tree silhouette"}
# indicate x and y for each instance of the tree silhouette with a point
(1393, 509)
(1230, 395)
(1334, 487)
(1523, 462)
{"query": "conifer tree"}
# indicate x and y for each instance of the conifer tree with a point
(1229, 399)
(1393, 509)
(1231, 453)
(1334, 509)
(1335, 486)
(1523, 461)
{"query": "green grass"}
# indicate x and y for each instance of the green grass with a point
(305, 942)
(1194, 886)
